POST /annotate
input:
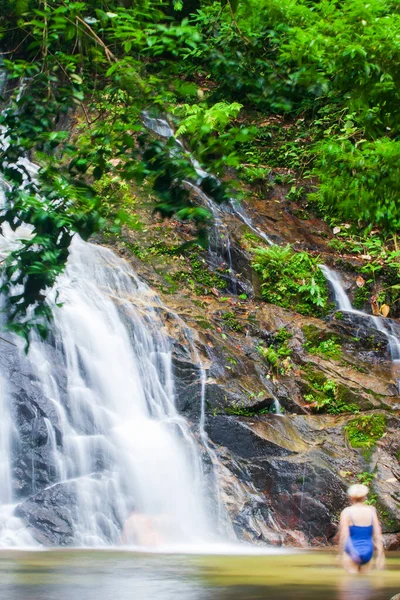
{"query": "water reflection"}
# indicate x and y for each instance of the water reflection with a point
(128, 576)
(355, 588)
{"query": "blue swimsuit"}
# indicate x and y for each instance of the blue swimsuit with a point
(360, 545)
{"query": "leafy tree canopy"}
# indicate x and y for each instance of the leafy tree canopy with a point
(333, 65)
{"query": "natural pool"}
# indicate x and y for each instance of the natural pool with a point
(114, 575)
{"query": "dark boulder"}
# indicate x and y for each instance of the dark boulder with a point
(50, 514)
(235, 435)
(303, 494)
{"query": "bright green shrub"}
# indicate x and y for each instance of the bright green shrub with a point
(291, 279)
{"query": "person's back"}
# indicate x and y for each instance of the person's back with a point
(360, 514)
(360, 532)
(360, 545)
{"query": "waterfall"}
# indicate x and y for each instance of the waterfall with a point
(123, 443)
(341, 298)
(378, 323)
(115, 439)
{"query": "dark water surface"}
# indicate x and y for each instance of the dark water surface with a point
(104, 575)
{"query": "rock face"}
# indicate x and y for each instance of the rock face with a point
(32, 456)
(47, 508)
(298, 465)
(283, 477)
(50, 515)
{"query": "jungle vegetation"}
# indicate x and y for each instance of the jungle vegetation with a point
(326, 72)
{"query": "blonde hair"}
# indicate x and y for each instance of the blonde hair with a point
(358, 491)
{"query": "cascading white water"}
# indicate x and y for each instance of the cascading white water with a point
(344, 304)
(342, 300)
(123, 442)
(116, 438)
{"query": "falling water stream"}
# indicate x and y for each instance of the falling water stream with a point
(124, 443)
(117, 440)
(378, 323)
(220, 242)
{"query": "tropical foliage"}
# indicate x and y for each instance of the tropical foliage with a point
(327, 73)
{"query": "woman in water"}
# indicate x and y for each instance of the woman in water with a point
(360, 532)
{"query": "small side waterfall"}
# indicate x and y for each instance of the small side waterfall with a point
(342, 300)
(220, 243)
(378, 323)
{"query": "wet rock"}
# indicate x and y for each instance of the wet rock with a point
(188, 386)
(239, 438)
(50, 514)
(361, 329)
(303, 493)
(391, 542)
(33, 466)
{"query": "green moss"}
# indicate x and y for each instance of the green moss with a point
(325, 395)
(312, 334)
(278, 353)
(203, 324)
(322, 343)
(366, 430)
(198, 276)
(250, 237)
(301, 214)
(314, 377)
(245, 411)
(282, 335)
(326, 349)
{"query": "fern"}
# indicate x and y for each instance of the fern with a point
(198, 118)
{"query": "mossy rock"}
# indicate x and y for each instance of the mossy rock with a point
(364, 431)
(348, 396)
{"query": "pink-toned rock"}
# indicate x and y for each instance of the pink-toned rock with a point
(392, 542)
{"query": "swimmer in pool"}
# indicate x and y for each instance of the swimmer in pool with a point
(360, 533)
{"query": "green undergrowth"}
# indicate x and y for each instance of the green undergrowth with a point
(380, 271)
(278, 353)
(326, 395)
(321, 343)
(231, 322)
(200, 278)
(291, 279)
(185, 267)
(243, 411)
(361, 297)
